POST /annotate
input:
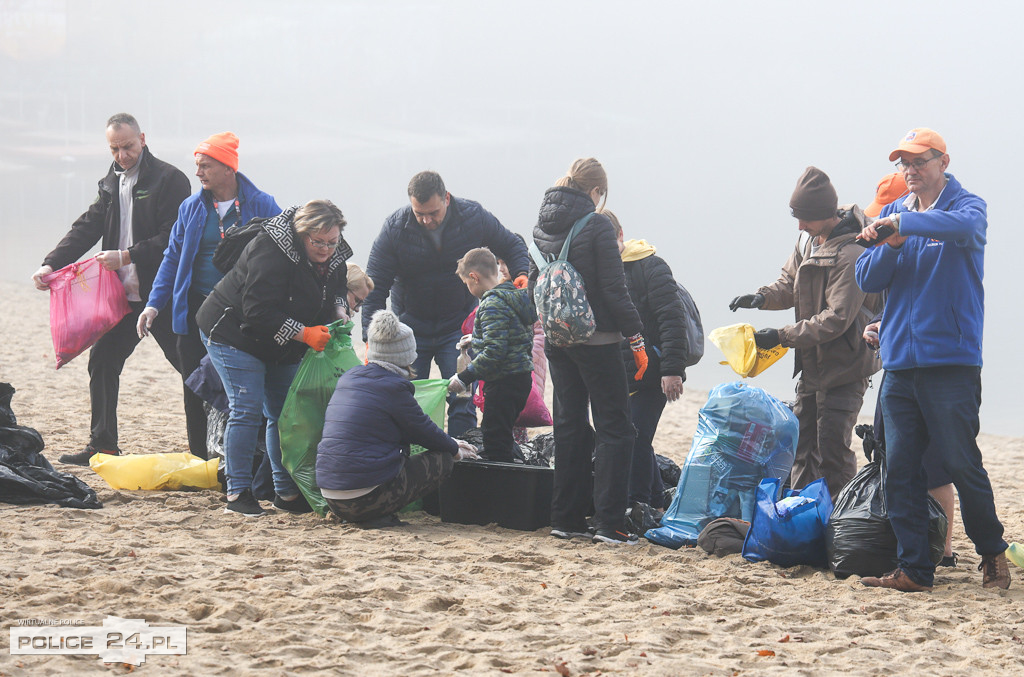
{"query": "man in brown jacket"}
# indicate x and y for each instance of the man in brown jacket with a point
(833, 361)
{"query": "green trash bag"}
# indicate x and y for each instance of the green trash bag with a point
(431, 394)
(301, 423)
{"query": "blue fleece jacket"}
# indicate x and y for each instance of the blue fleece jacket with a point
(371, 421)
(935, 311)
(174, 277)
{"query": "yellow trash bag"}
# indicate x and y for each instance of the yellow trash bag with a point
(741, 353)
(156, 471)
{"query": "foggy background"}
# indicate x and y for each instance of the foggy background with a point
(703, 114)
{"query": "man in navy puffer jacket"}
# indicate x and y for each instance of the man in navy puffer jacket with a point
(413, 260)
(932, 268)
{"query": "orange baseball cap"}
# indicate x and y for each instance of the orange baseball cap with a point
(891, 188)
(918, 140)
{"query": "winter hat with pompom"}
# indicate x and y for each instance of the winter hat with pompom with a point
(390, 341)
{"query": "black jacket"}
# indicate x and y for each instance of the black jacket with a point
(158, 193)
(272, 293)
(593, 252)
(428, 295)
(655, 293)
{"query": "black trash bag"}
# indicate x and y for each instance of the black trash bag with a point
(476, 437)
(669, 470)
(859, 539)
(26, 477)
(540, 451)
(642, 517)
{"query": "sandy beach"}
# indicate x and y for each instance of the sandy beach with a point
(303, 595)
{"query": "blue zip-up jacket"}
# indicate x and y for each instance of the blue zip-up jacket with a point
(935, 311)
(174, 277)
(371, 421)
(428, 295)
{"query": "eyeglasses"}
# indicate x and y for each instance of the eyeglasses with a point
(358, 303)
(918, 165)
(320, 244)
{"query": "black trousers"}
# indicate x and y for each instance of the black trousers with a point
(504, 400)
(106, 360)
(190, 350)
(598, 375)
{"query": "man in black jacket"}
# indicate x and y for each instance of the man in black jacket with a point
(416, 253)
(132, 217)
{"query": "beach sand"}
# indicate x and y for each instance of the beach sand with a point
(301, 595)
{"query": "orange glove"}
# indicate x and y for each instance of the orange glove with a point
(316, 337)
(636, 343)
(521, 282)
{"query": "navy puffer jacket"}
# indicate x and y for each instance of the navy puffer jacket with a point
(371, 421)
(426, 294)
(593, 252)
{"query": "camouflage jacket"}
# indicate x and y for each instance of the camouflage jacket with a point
(502, 335)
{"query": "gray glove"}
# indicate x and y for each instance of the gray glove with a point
(747, 301)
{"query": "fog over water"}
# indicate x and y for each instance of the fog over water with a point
(704, 115)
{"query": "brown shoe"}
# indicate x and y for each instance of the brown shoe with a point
(995, 571)
(897, 580)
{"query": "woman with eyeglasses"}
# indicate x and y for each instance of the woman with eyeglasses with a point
(257, 324)
(359, 287)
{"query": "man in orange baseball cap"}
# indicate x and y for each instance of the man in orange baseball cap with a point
(932, 268)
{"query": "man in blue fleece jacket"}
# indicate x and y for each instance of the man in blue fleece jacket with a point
(932, 267)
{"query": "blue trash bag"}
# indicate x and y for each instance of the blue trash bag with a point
(743, 435)
(789, 531)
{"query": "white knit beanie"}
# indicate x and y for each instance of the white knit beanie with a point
(390, 341)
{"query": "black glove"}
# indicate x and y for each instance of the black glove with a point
(747, 301)
(767, 338)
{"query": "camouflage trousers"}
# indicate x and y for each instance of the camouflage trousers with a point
(420, 474)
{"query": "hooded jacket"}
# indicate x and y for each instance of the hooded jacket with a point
(174, 278)
(593, 252)
(426, 294)
(371, 421)
(158, 192)
(655, 293)
(272, 293)
(502, 335)
(831, 310)
(935, 311)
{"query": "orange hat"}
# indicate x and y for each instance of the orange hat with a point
(918, 140)
(221, 147)
(891, 188)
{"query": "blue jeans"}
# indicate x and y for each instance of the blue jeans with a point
(645, 485)
(934, 410)
(254, 389)
(441, 349)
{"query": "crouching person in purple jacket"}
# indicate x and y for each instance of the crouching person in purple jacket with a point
(363, 464)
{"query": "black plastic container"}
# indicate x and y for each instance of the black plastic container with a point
(511, 495)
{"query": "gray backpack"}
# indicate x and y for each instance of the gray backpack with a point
(560, 296)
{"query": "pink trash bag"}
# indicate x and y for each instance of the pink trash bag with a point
(86, 301)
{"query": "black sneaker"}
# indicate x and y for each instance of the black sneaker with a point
(615, 537)
(82, 457)
(297, 505)
(568, 534)
(245, 505)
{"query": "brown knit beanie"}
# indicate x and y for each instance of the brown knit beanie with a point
(814, 198)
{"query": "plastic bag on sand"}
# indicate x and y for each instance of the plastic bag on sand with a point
(791, 530)
(86, 301)
(156, 471)
(741, 352)
(859, 539)
(301, 423)
(743, 435)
